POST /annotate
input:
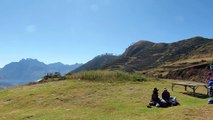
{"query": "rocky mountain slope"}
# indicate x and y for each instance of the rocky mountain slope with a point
(144, 55)
(97, 63)
(160, 59)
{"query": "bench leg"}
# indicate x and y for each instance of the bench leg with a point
(194, 91)
(185, 88)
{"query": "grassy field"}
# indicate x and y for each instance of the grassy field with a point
(75, 99)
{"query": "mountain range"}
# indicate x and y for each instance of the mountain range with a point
(158, 59)
(166, 60)
(28, 70)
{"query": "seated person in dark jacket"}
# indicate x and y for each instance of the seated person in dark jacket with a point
(155, 99)
(166, 95)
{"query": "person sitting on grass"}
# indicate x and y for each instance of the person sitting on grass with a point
(166, 97)
(165, 102)
(154, 99)
(170, 101)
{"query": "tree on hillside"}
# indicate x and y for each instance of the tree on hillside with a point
(52, 75)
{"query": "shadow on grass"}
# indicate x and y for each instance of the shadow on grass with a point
(197, 95)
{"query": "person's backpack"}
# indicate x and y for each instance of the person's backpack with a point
(174, 101)
(210, 101)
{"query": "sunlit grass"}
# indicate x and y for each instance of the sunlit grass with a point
(105, 75)
(74, 99)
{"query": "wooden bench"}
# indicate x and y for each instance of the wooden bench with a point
(193, 86)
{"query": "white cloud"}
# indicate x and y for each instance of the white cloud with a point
(31, 28)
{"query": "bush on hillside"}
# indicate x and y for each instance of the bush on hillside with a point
(52, 77)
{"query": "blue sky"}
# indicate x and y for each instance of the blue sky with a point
(75, 31)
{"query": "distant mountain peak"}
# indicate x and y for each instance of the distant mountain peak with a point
(143, 42)
(135, 48)
(28, 59)
(28, 70)
(198, 37)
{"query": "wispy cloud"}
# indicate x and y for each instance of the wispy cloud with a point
(31, 28)
(106, 2)
(94, 7)
(99, 4)
(179, 18)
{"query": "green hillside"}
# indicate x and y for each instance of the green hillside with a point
(144, 55)
(115, 98)
(159, 59)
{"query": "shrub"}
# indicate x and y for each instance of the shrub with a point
(52, 77)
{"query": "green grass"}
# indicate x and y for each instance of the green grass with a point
(100, 75)
(74, 99)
